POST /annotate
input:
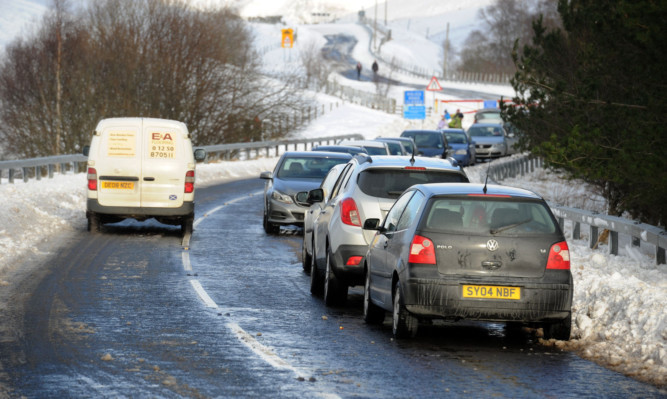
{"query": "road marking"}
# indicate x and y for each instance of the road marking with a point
(203, 295)
(186, 261)
(263, 351)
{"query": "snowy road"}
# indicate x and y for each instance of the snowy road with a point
(131, 313)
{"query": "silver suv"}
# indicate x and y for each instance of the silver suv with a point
(365, 188)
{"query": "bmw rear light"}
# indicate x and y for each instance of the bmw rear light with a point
(559, 257)
(349, 213)
(422, 251)
(92, 179)
(189, 181)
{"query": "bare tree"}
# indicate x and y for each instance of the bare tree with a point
(150, 58)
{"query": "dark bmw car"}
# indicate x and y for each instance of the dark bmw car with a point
(466, 251)
(295, 171)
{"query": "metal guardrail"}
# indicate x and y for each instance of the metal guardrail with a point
(47, 166)
(596, 222)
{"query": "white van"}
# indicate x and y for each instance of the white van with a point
(141, 168)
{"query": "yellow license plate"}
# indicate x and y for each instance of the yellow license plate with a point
(491, 292)
(118, 185)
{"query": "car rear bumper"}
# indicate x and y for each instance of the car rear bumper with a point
(439, 298)
(350, 274)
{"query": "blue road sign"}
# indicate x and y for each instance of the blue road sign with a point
(414, 112)
(413, 97)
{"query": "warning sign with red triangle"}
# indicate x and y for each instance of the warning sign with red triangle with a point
(433, 85)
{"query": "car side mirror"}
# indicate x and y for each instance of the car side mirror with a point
(86, 150)
(372, 224)
(266, 175)
(200, 154)
(301, 198)
(315, 196)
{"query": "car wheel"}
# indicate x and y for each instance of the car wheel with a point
(94, 223)
(305, 258)
(373, 314)
(186, 226)
(270, 228)
(560, 330)
(404, 323)
(315, 277)
(335, 292)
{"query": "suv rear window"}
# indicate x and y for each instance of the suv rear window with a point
(390, 183)
(495, 216)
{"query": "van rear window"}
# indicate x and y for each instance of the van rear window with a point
(390, 183)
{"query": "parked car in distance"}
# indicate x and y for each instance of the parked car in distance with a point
(431, 143)
(295, 171)
(462, 147)
(471, 252)
(353, 150)
(491, 140)
(395, 146)
(408, 143)
(488, 115)
(314, 211)
(366, 188)
(371, 147)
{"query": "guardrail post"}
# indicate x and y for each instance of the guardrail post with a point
(613, 242)
(51, 169)
(593, 239)
(38, 173)
(11, 176)
(576, 231)
(25, 174)
(659, 255)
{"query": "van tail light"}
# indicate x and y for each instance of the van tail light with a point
(422, 251)
(349, 213)
(559, 257)
(92, 179)
(189, 181)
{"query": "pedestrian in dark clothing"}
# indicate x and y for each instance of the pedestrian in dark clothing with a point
(358, 70)
(375, 67)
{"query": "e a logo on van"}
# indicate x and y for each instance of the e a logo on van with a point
(162, 145)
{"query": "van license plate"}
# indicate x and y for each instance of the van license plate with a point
(491, 292)
(118, 185)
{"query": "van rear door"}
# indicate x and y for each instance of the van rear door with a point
(164, 164)
(119, 166)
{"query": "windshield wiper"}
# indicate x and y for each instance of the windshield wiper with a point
(509, 226)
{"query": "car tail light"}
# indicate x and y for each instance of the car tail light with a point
(559, 256)
(354, 260)
(414, 168)
(422, 251)
(189, 181)
(92, 179)
(349, 213)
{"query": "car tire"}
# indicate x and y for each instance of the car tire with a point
(373, 314)
(316, 286)
(94, 224)
(335, 292)
(305, 258)
(404, 324)
(187, 226)
(269, 227)
(560, 330)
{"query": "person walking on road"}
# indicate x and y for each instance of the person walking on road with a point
(358, 70)
(455, 123)
(375, 67)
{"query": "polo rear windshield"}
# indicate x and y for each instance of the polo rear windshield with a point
(390, 183)
(489, 216)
